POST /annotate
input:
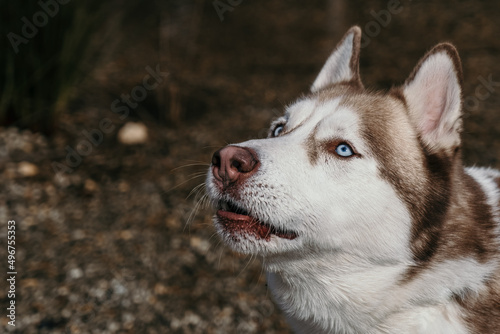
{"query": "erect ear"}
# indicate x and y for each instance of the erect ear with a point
(434, 96)
(343, 63)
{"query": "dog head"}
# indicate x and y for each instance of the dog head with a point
(346, 169)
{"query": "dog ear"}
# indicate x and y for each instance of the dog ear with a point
(433, 94)
(343, 63)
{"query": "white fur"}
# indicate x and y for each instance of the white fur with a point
(423, 303)
(365, 297)
(486, 179)
(439, 319)
(299, 196)
(344, 273)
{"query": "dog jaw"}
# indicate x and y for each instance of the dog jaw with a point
(246, 226)
(247, 235)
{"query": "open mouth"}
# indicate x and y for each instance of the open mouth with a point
(237, 220)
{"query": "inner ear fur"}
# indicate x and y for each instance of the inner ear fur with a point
(342, 66)
(433, 93)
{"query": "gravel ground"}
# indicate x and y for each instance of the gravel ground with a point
(123, 244)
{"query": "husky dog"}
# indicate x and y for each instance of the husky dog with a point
(360, 207)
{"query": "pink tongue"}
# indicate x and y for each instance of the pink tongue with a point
(241, 224)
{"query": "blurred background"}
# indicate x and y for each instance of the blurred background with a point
(110, 112)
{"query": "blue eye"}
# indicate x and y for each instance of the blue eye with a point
(344, 150)
(278, 130)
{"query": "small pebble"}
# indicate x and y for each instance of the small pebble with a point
(90, 185)
(133, 133)
(27, 169)
(75, 273)
(199, 244)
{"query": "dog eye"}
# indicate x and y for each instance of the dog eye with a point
(344, 150)
(277, 130)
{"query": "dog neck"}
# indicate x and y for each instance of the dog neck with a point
(334, 290)
(344, 292)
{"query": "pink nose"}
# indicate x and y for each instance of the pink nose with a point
(233, 163)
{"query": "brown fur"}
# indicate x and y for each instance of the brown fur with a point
(433, 185)
(436, 188)
(482, 311)
(451, 217)
(312, 147)
(354, 62)
(422, 180)
(470, 228)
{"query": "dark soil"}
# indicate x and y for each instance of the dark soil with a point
(122, 244)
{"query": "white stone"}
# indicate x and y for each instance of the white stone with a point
(133, 133)
(27, 169)
(75, 273)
